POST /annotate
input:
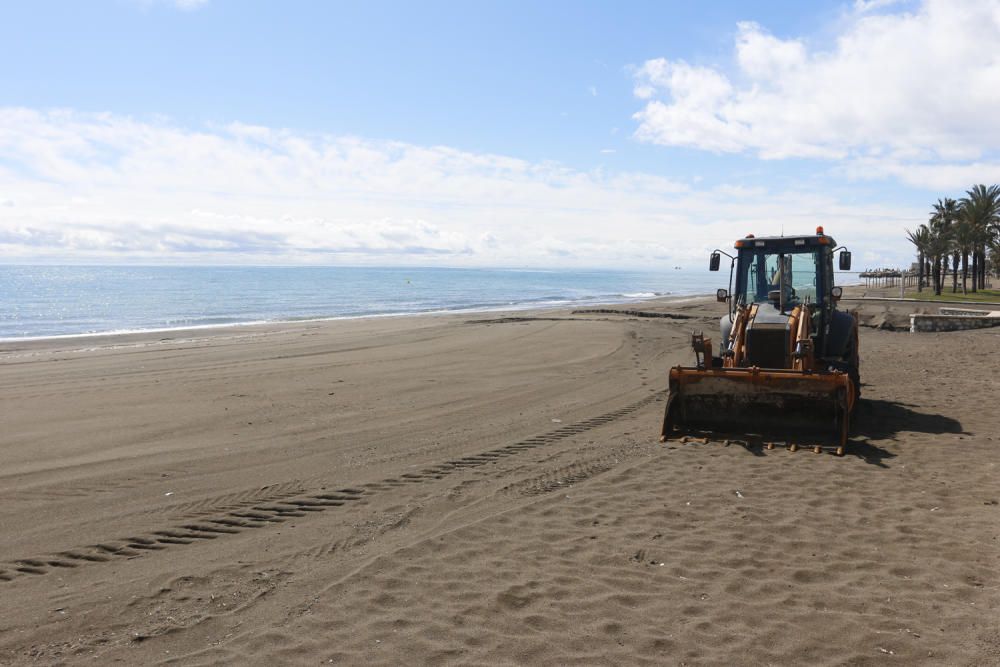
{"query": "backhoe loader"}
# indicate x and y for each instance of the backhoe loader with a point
(787, 367)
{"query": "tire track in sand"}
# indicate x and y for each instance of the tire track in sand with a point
(248, 512)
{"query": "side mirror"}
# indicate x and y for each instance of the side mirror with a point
(845, 260)
(713, 262)
(836, 293)
(721, 294)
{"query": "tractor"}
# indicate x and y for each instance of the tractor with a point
(788, 358)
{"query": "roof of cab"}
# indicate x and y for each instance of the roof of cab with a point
(786, 241)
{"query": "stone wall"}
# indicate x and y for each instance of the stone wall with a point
(948, 322)
(968, 311)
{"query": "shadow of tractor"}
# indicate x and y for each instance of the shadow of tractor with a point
(883, 420)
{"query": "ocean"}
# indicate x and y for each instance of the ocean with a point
(46, 301)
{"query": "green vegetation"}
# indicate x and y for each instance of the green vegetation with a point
(968, 228)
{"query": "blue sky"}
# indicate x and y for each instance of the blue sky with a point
(505, 77)
(482, 133)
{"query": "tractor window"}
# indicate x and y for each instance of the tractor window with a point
(766, 274)
(804, 277)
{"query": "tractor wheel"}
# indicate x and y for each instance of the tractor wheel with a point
(853, 360)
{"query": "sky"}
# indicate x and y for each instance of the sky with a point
(509, 134)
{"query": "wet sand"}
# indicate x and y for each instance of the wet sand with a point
(484, 489)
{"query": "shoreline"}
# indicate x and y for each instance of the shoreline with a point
(854, 293)
(223, 328)
(512, 306)
(106, 300)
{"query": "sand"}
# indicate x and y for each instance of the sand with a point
(483, 489)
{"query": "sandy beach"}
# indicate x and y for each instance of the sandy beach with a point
(484, 489)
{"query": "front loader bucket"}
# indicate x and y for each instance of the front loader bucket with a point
(790, 405)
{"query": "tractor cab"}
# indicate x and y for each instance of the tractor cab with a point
(781, 276)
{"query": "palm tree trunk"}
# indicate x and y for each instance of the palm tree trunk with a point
(965, 271)
(920, 272)
(937, 275)
(954, 273)
(975, 270)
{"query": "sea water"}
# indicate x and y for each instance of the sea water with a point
(44, 301)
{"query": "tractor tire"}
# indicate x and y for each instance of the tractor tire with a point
(855, 376)
(854, 363)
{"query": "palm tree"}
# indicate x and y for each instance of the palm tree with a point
(965, 236)
(981, 211)
(938, 244)
(944, 215)
(920, 239)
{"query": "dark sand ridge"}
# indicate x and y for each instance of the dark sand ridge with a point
(399, 490)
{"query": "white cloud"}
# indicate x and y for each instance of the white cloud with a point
(695, 118)
(918, 86)
(763, 56)
(103, 187)
(940, 177)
